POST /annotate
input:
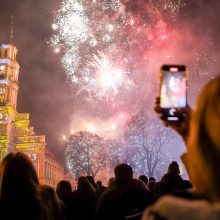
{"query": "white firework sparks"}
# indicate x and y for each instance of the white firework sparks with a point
(80, 39)
(109, 50)
(108, 77)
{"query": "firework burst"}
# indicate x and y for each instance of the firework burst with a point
(111, 52)
(104, 42)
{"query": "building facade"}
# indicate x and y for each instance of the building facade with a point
(53, 170)
(15, 131)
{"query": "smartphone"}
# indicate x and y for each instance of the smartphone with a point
(173, 91)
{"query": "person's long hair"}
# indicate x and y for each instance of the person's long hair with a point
(53, 206)
(19, 186)
(86, 189)
(204, 141)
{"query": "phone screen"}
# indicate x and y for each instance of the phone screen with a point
(173, 90)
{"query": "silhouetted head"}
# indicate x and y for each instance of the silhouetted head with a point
(123, 172)
(99, 183)
(91, 179)
(111, 181)
(17, 176)
(51, 203)
(173, 168)
(64, 190)
(151, 183)
(152, 179)
(19, 192)
(80, 179)
(143, 178)
(86, 189)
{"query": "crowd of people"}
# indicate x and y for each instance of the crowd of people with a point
(23, 197)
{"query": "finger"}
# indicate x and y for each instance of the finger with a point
(157, 109)
(157, 100)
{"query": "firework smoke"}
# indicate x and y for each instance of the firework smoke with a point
(111, 51)
(94, 36)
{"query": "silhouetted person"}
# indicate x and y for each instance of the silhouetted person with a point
(19, 195)
(152, 184)
(200, 130)
(101, 187)
(172, 181)
(111, 182)
(64, 192)
(126, 197)
(81, 179)
(144, 179)
(84, 200)
(92, 181)
(52, 205)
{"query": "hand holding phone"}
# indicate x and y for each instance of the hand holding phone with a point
(181, 126)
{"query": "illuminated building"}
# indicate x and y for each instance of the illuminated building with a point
(53, 170)
(15, 132)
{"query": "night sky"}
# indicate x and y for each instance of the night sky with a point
(44, 91)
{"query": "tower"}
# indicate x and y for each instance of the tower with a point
(9, 70)
(16, 134)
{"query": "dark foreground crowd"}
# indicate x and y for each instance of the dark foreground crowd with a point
(22, 197)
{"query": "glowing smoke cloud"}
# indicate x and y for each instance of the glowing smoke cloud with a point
(111, 51)
(107, 48)
(107, 34)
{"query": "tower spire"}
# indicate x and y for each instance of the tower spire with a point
(11, 37)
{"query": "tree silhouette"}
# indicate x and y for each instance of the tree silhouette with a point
(85, 154)
(148, 146)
